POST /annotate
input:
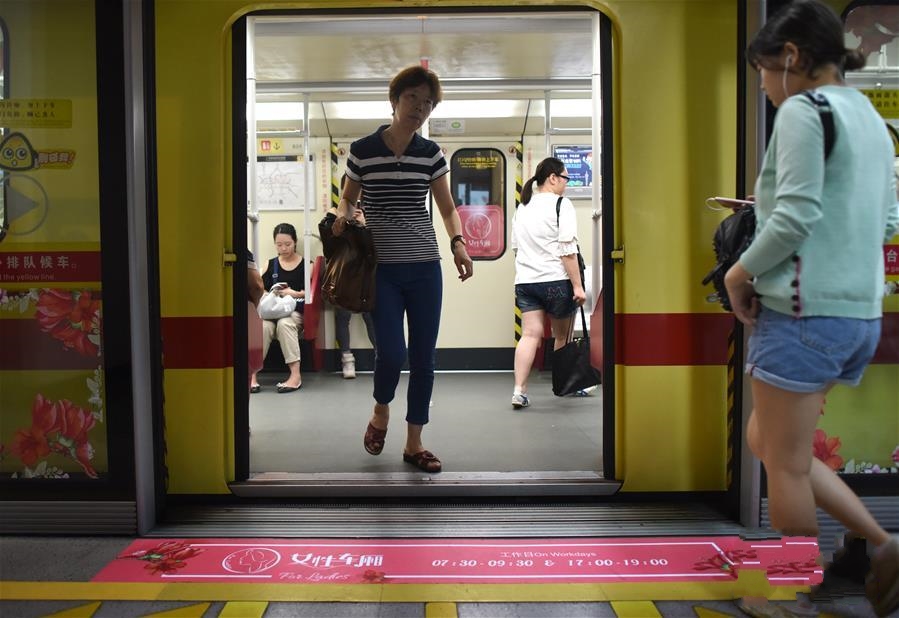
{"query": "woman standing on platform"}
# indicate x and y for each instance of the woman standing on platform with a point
(811, 282)
(393, 170)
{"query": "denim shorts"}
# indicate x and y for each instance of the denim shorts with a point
(807, 355)
(554, 297)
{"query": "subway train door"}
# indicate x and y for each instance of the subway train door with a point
(478, 189)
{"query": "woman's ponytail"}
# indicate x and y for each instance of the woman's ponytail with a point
(527, 191)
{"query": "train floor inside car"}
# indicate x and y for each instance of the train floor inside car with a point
(59, 576)
(472, 428)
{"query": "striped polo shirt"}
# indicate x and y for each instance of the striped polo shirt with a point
(394, 194)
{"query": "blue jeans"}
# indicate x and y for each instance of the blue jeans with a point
(554, 297)
(413, 289)
(342, 328)
(806, 355)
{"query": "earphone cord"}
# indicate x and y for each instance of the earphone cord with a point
(784, 82)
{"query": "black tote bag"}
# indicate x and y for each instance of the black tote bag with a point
(571, 366)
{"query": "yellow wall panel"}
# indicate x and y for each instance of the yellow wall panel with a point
(198, 430)
(673, 435)
(676, 146)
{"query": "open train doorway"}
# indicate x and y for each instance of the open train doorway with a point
(518, 86)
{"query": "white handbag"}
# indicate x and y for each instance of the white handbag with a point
(274, 307)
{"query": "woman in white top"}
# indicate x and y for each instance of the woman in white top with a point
(547, 277)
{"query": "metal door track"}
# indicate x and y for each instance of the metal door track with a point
(423, 485)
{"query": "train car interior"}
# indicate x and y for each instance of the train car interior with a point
(518, 86)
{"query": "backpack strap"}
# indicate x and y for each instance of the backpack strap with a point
(894, 136)
(826, 115)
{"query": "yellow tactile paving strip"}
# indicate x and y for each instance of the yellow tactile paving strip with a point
(242, 609)
(749, 583)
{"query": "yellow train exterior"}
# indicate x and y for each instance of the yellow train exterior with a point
(675, 126)
(675, 100)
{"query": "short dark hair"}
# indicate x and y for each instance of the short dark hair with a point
(285, 228)
(813, 28)
(411, 77)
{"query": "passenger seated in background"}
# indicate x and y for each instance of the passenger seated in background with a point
(342, 316)
(286, 267)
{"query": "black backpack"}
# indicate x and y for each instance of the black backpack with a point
(734, 234)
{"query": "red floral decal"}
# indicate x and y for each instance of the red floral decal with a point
(70, 316)
(726, 561)
(166, 557)
(826, 449)
(60, 427)
(30, 445)
(373, 577)
(793, 568)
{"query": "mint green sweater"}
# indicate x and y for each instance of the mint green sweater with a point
(834, 216)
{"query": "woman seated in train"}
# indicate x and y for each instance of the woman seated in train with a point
(547, 275)
(286, 267)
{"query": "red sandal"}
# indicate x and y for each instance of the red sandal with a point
(425, 461)
(374, 440)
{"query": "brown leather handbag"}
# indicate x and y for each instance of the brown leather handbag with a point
(349, 278)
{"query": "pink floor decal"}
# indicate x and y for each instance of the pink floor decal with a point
(455, 561)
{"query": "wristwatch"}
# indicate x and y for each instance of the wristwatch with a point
(458, 238)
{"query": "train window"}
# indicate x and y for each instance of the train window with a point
(478, 184)
(874, 28)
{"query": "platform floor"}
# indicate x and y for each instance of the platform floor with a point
(42, 576)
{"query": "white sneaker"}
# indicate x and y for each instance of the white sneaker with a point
(520, 400)
(349, 365)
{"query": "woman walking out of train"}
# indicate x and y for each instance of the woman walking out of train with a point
(811, 283)
(285, 268)
(392, 171)
(547, 276)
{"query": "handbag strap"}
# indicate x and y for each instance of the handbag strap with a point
(275, 270)
(580, 257)
(586, 336)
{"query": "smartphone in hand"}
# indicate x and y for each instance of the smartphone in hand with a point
(732, 202)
